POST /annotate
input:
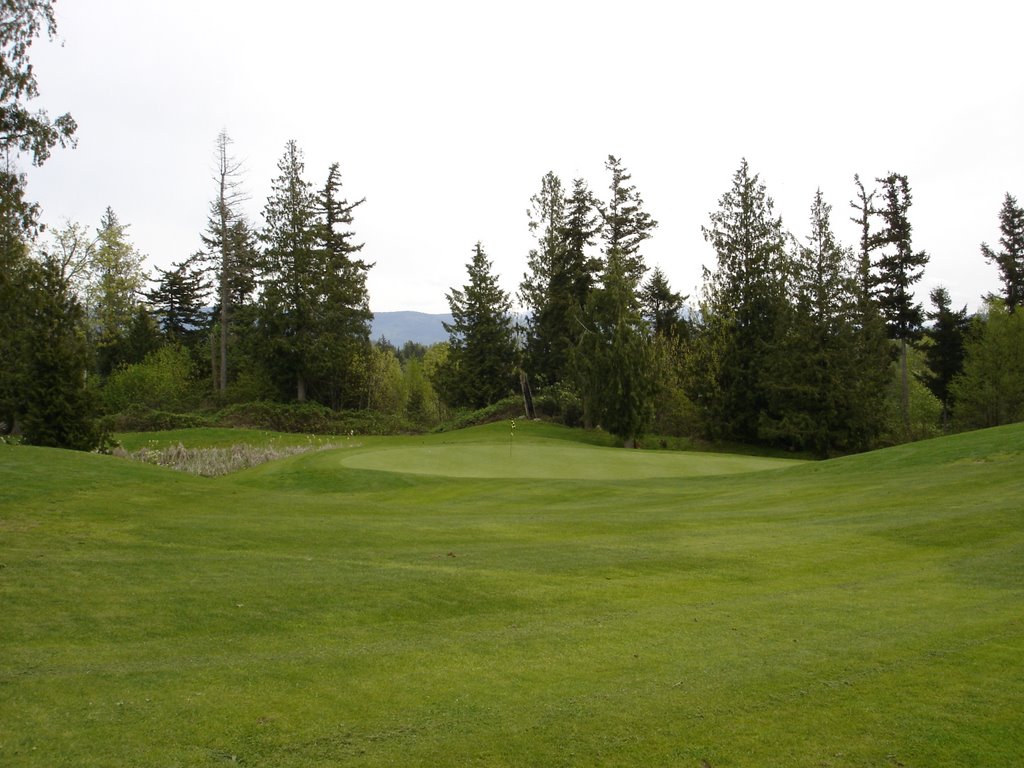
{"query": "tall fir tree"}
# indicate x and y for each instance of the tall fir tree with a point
(613, 359)
(1009, 260)
(228, 250)
(343, 315)
(289, 298)
(481, 359)
(947, 336)
(872, 353)
(59, 409)
(744, 301)
(811, 379)
(116, 291)
(899, 268)
(626, 225)
(544, 290)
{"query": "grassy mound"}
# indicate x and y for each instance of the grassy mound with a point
(864, 611)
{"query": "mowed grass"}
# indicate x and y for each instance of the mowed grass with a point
(867, 611)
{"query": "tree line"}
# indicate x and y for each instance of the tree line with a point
(795, 341)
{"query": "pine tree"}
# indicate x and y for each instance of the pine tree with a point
(481, 360)
(626, 225)
(662, 307)
(22, 130)
(1010, 259)
(899, 268)
(744, 301)
(229, 248)
(811, 376)
(179, 301)
(115, 292)
(989, 391)
(945, 352)
(343, 316)
(544, 291)
(59, 410)
(872, 353)
(288, 302)
(613, 358)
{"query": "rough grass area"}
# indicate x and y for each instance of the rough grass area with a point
(215, 462)
(867, 611)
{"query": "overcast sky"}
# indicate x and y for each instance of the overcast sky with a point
(445, 115)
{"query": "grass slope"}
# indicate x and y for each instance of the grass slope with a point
(860, 612)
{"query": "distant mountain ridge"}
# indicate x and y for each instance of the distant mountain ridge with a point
(400, 327)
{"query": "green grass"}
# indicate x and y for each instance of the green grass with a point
(867, 611)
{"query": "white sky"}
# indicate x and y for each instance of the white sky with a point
(445, 115)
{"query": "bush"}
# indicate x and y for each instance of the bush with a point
(163, 380)
(559, 403)
(139, 418)
(508, 408)
(311, 418)
(278, 417)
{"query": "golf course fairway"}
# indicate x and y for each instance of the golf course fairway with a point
(475, 598)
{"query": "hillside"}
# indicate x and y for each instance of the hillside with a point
(400, 327)
(372, 605)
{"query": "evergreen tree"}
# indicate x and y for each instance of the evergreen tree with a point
(117, 283)
(989, 391)
(744, 300)
(625, 223)
(481, 358)
(179, 301)
(662, 307)
(16, 287)
(810, 378)
(22, 130)
(872, 353)
(288, 302)
(230, 249)
(343, 314)
(945, 352)
(899, 267)
(613, 358)
(543, 290)
(59, 411)
(1010, 259)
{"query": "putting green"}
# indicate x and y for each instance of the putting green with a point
(553, 461)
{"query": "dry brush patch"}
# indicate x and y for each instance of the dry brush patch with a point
(216, 462)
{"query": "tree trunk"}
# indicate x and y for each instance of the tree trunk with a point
(904, 389)
(213, 359)
(301, 388)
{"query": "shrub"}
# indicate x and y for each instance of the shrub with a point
(162, 380)
(139, 418)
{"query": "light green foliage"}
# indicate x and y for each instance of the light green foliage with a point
(114, 291)
(164, 380)
(422, 405)
(924, 414)
(386, 390)
(990, 390)
(857, 612)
